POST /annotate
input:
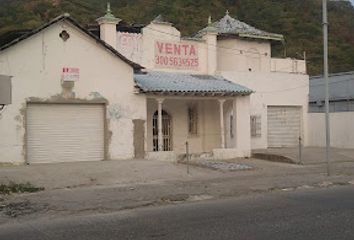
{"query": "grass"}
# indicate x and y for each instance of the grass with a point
(6, 189)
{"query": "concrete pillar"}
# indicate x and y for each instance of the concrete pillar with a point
(222, 127)
(211, 42)
(108, 31)
(234, 124)
(243, 125)
(159, 124)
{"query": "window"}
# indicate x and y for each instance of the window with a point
(231, 126)
(256, 126)
(192, 120)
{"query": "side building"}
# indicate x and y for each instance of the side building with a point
(72, 97)
(341, 105)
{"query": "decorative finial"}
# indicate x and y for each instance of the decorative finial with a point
(209, 20)
(108, 8)
(227, 12)
(109, 17)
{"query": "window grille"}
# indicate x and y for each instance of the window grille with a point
(256, 126)
(192, 120)
(231, 126)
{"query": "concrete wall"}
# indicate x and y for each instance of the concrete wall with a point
(341, 125)
(254, 56)
(242, 55)
(36, 66)
(162, 32)
(288, 65)
(273, 89)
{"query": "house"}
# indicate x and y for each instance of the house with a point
(77, 97)
(228, 49)
(341, 106)
(72, 97)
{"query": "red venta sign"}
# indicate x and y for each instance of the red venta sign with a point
(176, 55)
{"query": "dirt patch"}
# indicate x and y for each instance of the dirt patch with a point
(6, 189)
(175, 198)
(273, 158)
(21, 208)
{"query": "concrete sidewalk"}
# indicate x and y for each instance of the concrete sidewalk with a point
(310, 155)
(101, 187)
(124, 172)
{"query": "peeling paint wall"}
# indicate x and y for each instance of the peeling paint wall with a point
(36, 64)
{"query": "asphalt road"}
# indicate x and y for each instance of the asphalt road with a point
(309, 214)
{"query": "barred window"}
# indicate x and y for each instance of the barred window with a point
(256, 126)
(192, 120)
(231, 126)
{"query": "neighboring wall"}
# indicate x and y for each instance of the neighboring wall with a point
(341, 107)
(341, 125)
(36, 66)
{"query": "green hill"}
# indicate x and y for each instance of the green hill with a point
(298, 20)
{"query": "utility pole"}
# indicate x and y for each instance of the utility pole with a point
(325, 74)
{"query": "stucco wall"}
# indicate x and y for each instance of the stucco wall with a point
(253, 56)
(241, 55)
(36, 66)
(141, 47)
(277, 89)
(341, 125)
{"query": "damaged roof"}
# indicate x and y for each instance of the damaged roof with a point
(231, 26)
(66, 17)
(172, 82)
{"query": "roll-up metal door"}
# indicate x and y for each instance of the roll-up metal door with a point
(65, 132)
(284, 126)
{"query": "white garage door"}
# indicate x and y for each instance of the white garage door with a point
(65, 132)
(284, 126)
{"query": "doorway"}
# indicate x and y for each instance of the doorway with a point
(166, 131)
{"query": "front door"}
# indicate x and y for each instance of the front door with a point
(166, 131)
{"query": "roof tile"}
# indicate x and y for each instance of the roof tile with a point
(187, 83)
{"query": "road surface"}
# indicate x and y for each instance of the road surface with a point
(306, 214)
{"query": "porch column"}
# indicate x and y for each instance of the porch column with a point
(159, 123)
(222, 127)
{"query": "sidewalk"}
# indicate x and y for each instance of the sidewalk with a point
(101, 187)
(310, 155)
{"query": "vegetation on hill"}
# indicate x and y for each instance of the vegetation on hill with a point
(299, 21)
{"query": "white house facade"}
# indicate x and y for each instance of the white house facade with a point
(77, 97)
(52, 120)
(240, 53)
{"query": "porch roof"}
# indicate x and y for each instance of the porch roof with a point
(187, 84)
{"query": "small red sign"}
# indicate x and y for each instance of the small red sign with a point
(70, 74)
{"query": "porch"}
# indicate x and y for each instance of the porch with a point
(214, 121)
